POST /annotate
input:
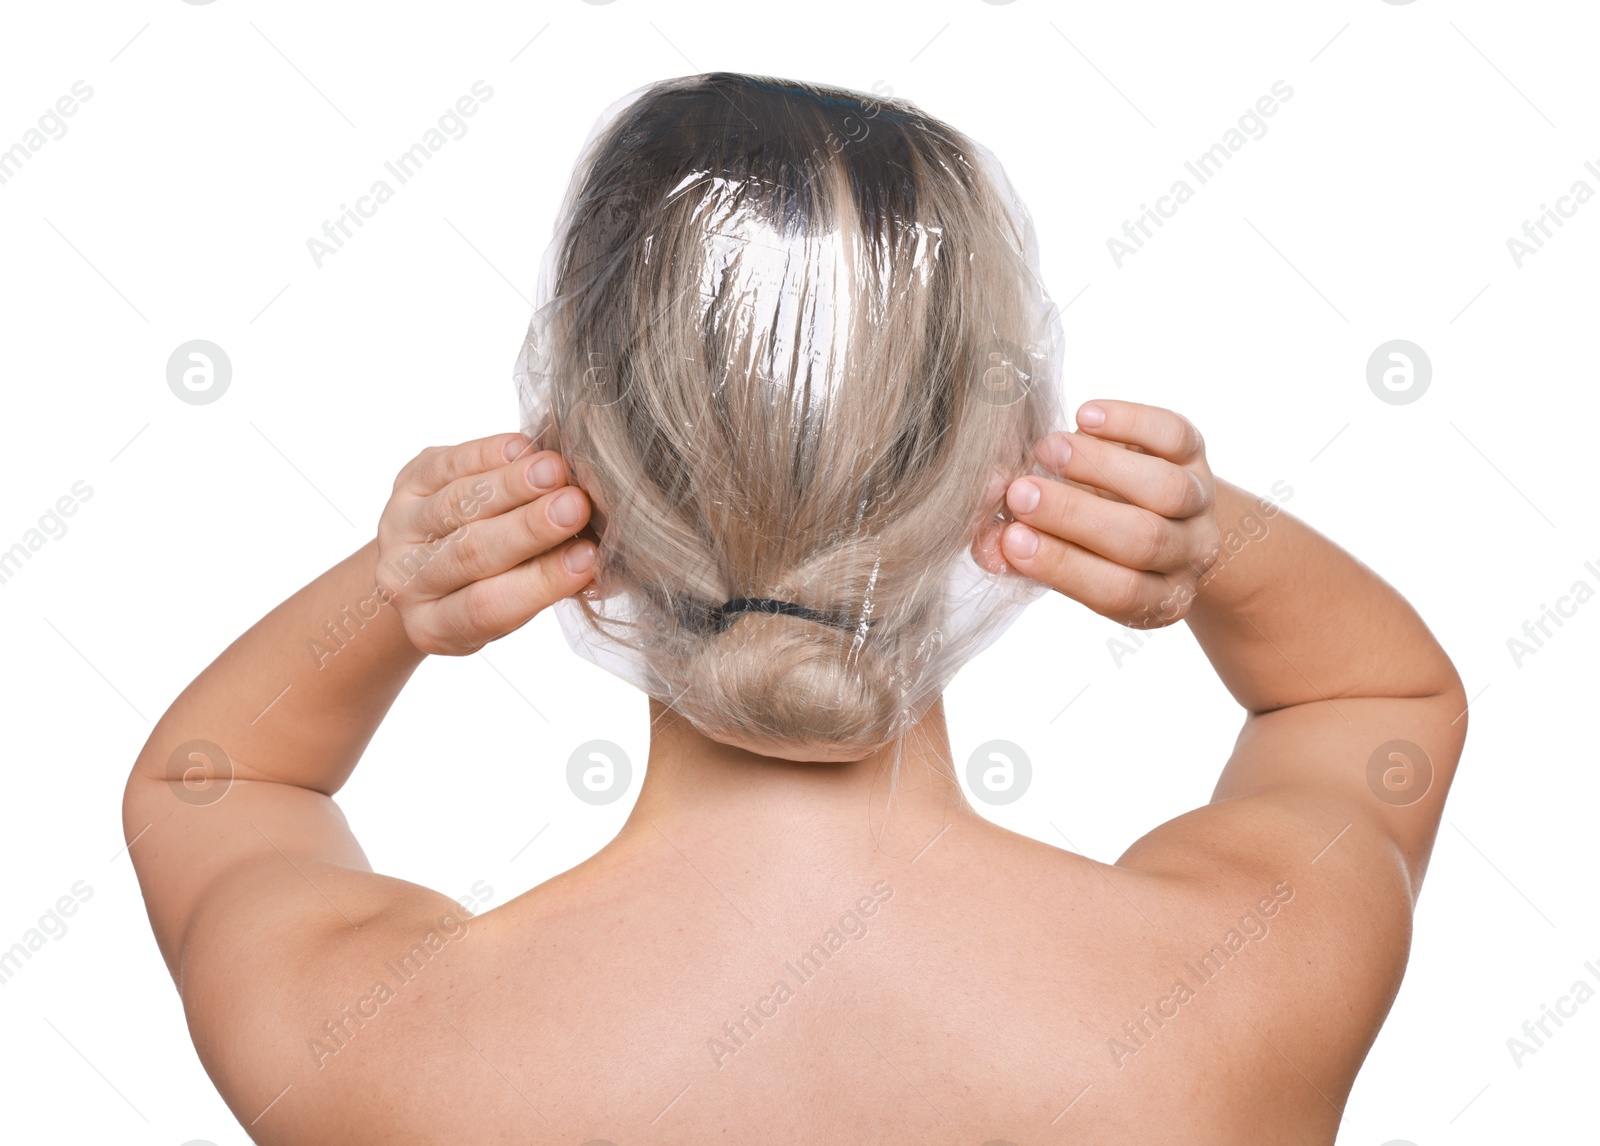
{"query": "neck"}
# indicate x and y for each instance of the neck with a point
(693, 783)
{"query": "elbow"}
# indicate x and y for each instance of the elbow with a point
(145, 793)
(1453, 688)
(1452, 712)
(136, 809)
(1438, 677)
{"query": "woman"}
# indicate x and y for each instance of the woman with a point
(794, 375)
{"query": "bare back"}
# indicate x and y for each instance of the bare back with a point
(988, 988)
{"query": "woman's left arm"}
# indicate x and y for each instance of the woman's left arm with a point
(228, 808)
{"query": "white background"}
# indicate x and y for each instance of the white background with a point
(218, 139)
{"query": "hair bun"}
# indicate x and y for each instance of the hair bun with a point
(790, 687)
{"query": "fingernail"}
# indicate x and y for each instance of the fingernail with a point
(567, 508)
(1023, 496)
(1057, 452)
(544, 473)
(1020, 541)
(578, 557)
(1091, 416)
(516, 447)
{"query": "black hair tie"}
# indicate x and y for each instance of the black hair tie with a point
(729, 609)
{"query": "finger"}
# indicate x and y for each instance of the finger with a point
(489, 546)
(438, 466)
(484, 495)
(489, 609)
(1125, 534)
(1155, 430)
(986, 551)
(1140, 479)
(1108, 588)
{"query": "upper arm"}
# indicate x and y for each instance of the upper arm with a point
(1298, 776)
(257, 849)
(263, 905)
(1303, 801)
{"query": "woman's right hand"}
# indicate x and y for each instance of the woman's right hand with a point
(1132, 528)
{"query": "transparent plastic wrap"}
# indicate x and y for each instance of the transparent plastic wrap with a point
(793, 342)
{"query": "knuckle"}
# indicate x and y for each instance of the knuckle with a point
(1061, 509)
(407, 474)
(480, 610)
(1193, 442)
(414, 471)
(426, 641)
(469, 546)
(1152, 544)
(1124, 594)
(1083, 510)
(464, 507)
(545, 580)
(1058, 514)
(1176, 493)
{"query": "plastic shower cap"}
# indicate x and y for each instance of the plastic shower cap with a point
(793, 342)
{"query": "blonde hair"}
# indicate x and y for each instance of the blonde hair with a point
(793, 344)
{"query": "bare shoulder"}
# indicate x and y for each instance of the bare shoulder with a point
(1331, 808)
(400, 1017)
(1244, 994)
(1291, 924)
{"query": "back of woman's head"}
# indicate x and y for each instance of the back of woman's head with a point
(793, 344)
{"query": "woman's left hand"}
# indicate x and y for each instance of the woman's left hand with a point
(478, 539)
(1131, 529)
